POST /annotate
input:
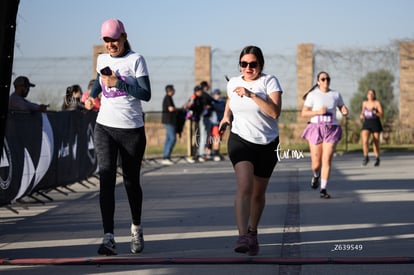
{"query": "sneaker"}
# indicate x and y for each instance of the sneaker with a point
(108, 246)
(253, 243)
(190, 159)
(377, 162)
(217, 158)
(315, 182)
(202, 159)
(365, 161)
(242, 245)
(137, 242)
(166, 162)
(324, 194)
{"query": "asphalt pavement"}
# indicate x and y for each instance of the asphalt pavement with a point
(366, 227)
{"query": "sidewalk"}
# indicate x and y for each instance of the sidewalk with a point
(367, 227)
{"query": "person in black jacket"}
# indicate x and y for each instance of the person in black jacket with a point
(169, 119)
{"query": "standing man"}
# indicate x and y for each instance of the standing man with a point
(205, 123)
(18, 101)
(168, 119)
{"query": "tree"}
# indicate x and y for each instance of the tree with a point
(381, 81)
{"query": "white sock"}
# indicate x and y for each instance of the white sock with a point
(135, 228)
(316, 174)
(324, 183)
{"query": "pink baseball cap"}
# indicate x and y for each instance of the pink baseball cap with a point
(112, 28)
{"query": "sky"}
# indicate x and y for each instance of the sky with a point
(175, 27)
(55, 38)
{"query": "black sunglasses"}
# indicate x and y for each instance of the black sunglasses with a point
(327, 79)
(252, 65)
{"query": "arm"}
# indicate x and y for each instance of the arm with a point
(361, 115)
(343, 109)
(380, 112)
(227, 114)
(307, 111)
(272, 105)
(142, 89)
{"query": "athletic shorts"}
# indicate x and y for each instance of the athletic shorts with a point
(263, 157)
(373, 125)
(317, 133)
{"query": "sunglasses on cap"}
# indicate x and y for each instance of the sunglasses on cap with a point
(252, 65)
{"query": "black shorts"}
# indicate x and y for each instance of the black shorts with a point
(263, 157)
(372, 124)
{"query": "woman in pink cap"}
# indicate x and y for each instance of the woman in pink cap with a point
(124, 82)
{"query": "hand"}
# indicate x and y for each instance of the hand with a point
(43, 107)
(241, 91)
(89, 103)
(322, 110)
(109, 80)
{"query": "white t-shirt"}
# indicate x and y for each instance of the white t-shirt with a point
(331, 100)
(118, 109)
(249, 121)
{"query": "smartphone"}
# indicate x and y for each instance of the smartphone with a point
(223, 128)
(106, 71)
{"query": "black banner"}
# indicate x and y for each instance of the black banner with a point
(46, 150)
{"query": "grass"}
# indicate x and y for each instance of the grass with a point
(181, 149)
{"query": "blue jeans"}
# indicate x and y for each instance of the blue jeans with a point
(170, 139)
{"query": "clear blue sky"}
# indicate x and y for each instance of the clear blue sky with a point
(175, 27)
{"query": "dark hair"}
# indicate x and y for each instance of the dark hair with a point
(256, 51)
(204, 84)
(373, 91)
(73, 88)
(90, 84)
(314, 86)
(68, 100)
(169, 87)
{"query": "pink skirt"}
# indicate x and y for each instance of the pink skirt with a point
(317, 133)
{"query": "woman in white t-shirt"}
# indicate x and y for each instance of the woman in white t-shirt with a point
(323, 131)
(252, 109)
(123, 80)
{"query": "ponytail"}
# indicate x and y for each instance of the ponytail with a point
(311, 89)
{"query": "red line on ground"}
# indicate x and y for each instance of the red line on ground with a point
(232, 260)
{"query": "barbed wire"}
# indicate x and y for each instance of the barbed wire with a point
(346, 67)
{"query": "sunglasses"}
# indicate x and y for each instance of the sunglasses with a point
(252, 65)
(110, 40)
(327, 79)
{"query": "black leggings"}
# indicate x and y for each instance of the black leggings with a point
(130, 143)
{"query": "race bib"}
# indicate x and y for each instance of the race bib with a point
(326, 118)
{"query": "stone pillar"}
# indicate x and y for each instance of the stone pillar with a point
(304, 76)
(304, 65)
(97, 50)
(202, 64)
(407, 84)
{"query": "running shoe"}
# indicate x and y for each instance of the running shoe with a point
(166, 162)
(324, 194)
(253, 243)
(315, 182)
(137, 242)
(108, 246)
(242, 245)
